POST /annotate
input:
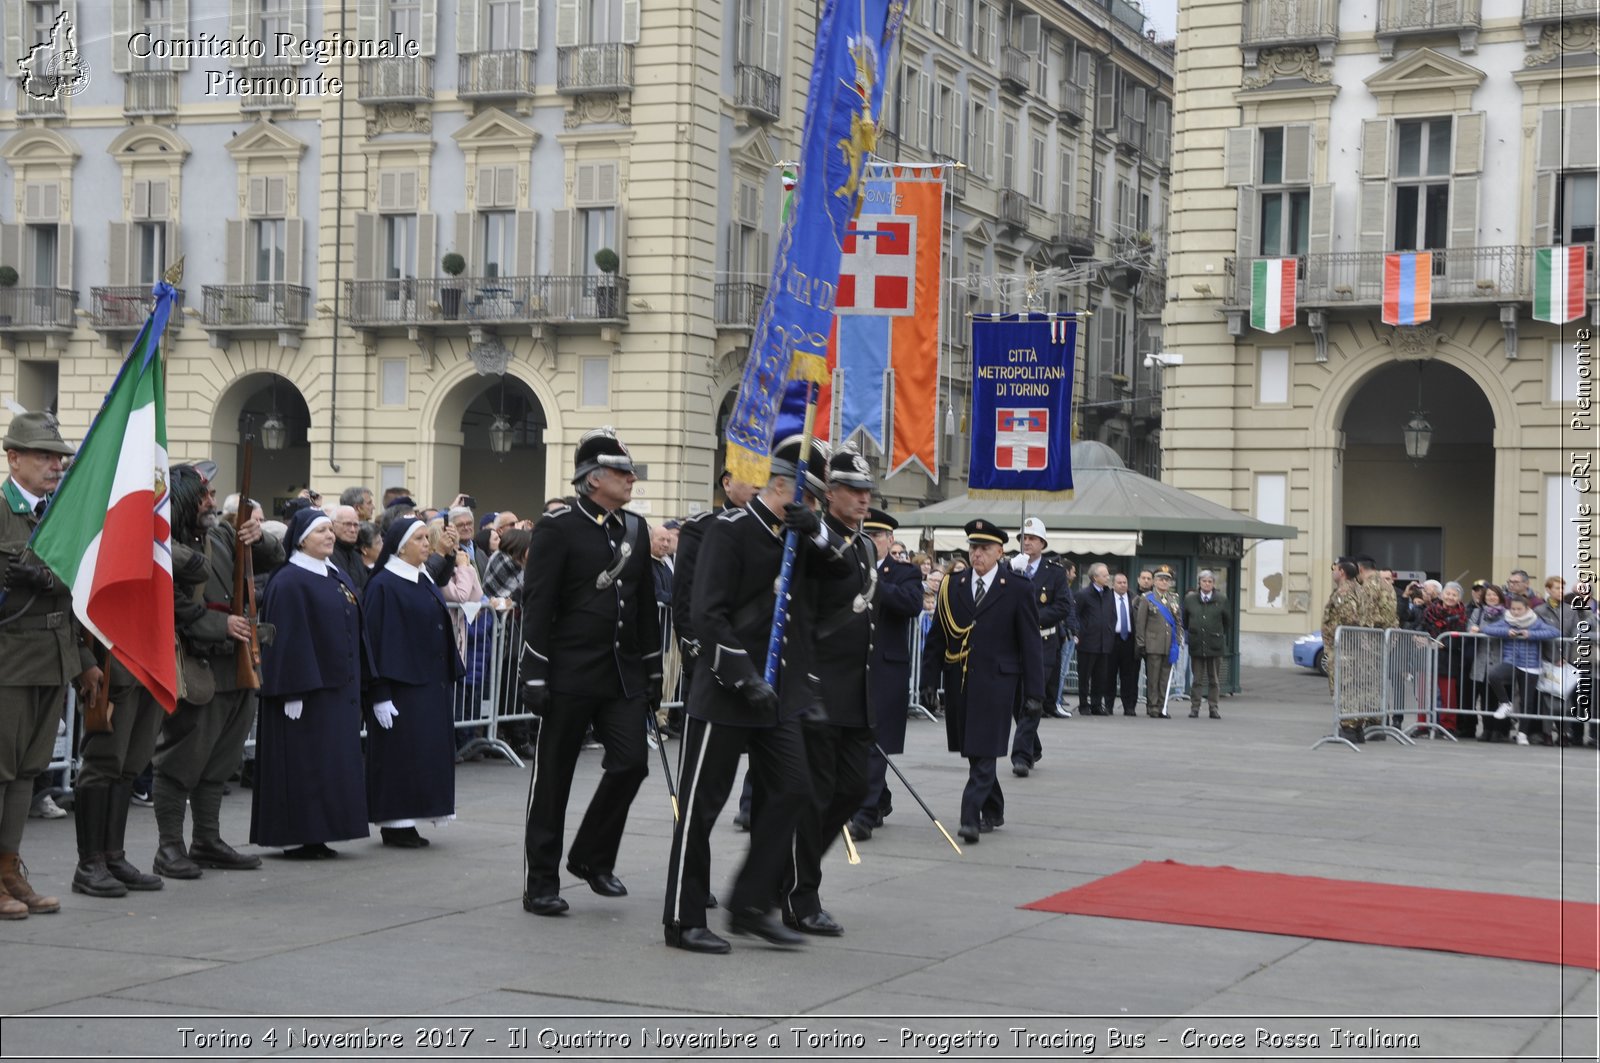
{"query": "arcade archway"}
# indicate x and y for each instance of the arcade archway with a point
(495, 412)
(262, 407)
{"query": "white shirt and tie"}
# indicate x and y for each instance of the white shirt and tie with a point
(981, 584)
(1124, 626)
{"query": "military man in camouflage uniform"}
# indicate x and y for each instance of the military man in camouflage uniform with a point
(1378, 602)
(1343, 609)
(40, 648)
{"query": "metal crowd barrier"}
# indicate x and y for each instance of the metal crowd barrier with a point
(486, 696)
(1381, 677)
(69, 731)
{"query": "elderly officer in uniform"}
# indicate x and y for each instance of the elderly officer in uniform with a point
(1158, 634)
(838, 738)
(732, 709)
(898, 602)
(40, 651)
(202, 743)
(985, 642)
(1056, 607)
(591, 656)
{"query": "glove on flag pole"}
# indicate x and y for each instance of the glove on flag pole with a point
(108, 533)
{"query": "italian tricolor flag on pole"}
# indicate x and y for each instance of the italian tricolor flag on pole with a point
(1272, 294)
(1558, 284)
(108, 532)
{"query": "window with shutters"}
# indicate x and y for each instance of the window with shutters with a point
(150, 251)
(1576, 195)
(399, 246)
(598, 226)
(497, 242)
(1037, 157)
(502, 25)
(980, 135)
(1422, 184)
(1566, 159)
(1285, 185)
(269, 242)
(42, 15)
(43, 247)
(1008, 154)
(155, 18)
(272, 19)
(405, 20)
(1069, 181)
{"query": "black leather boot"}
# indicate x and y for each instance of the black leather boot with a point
(89, 812)
(116, 853)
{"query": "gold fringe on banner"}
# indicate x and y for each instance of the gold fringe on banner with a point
(986, 495)
(746, 466)
(812, 367)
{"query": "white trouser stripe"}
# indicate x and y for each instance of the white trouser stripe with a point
(687, 812)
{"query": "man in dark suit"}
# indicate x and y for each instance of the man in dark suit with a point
(1096, 617)
(898, 603)
(985, 645)
(1124, 649)
(1056, 606)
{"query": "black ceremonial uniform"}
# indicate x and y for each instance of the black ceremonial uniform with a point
(899, 605)
(690, 535)
(733, 602)
(592, 637)
(1053, 596)
(838, 739)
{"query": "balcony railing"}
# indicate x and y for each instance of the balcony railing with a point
(1273, 22)
(255, 306)
(396, 79)
(1130, 133)
(268, 101)
(756, 90)
(125, 307)
(1016, 68)
(491, 75)
(594, 68)
(1556, 10)
(486, 300)
(738, 303)
(38, 309)
(150, 92)
(1073, 235)
(1013, 209)
(1074, 100)
(29, 106)
(1460, 275)
(1404, 18)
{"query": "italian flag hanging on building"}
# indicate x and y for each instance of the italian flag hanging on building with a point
(1559, 281)
(107, 533)
(1272, 294)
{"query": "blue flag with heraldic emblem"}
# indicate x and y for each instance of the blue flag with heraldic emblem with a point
(788, 350)
(1022, 406)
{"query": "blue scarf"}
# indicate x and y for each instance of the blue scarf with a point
(1172, 623)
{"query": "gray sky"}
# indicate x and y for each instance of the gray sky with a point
(1163, 15)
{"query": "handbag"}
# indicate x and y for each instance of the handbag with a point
(1558, 680)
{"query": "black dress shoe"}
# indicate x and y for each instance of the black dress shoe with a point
(172, 861)
(696, 939)
(314, 851)
(550, 904)
(1020, 768)
(756, 923)
(860, 829)
(711, 900)
(222, 856)
(820, 923)
(741, 820)
(402, 837)
(602, 882)
(968, 834)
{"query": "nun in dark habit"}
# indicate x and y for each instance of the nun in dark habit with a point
(411, 746)
(308, 789)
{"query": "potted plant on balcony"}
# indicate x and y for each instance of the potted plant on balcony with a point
(8, 280)
(450, 296)
(605, 292)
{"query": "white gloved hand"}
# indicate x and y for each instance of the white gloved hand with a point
(1019, 563)
(385, 712)
(292, 709)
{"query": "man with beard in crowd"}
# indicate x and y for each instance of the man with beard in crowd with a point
(202, 743)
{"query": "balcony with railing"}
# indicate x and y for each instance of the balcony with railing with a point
(594, 68)
(1270, 23)
(495, 75)
(1074, 102)
(259, 309)
(40, 310)
(1016, 69)
(150, 92)
(469, 301)
(1130, 134)
(31, 106)
(737, 304)
(1013, 209)
(1464, 276)
(124, 308)
(1073, 237)
(253, 101)
(396, 79)
(1398, 19)
(756, 91)
(1537, 14)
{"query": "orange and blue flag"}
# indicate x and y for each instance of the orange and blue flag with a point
(1407, 288)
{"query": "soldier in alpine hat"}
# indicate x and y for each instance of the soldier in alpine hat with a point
(39, 645)
(591, 656)
(985, 646)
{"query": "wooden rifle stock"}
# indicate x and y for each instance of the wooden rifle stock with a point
(97, 704)
(247, 660)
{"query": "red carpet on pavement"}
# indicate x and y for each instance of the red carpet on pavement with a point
(1373, 913)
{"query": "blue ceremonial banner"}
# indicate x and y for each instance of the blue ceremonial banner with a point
(1022, 406)
(855, 39)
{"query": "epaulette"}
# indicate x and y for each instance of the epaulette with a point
(559, 511)
(732, 514)
(702, 515)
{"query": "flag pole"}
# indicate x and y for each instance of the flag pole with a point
(791, 541)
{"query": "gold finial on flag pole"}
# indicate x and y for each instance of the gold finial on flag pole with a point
(174, 274)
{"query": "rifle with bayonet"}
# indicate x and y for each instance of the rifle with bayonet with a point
(247, 661)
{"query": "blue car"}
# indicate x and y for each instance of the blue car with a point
(1308, 653)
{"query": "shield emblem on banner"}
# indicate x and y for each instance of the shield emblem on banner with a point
(1022, 439)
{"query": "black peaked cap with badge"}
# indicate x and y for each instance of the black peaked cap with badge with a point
(36, 431)
(986, 531)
